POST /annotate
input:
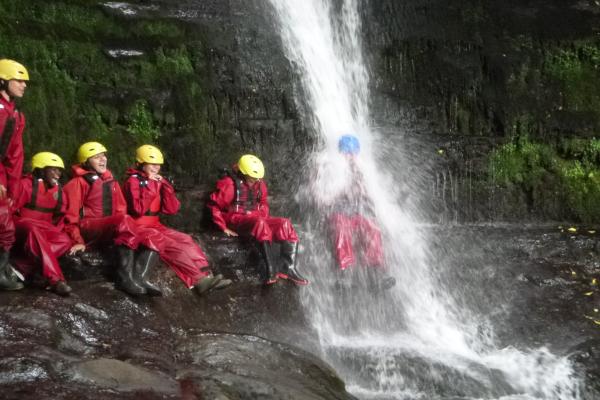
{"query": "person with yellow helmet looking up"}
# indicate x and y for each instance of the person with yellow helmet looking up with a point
(96, 213)
(13, 81)
(40, 207)
(240, 206)
(148, 195)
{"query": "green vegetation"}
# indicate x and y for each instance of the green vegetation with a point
(79, 91)
(572, 167)
(577, 70)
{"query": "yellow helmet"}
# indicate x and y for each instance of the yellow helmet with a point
(10, 69)
(46, 159)
(148, 154)
(252, 166)
(88, 150)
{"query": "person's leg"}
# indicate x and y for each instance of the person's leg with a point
(258, 228)
(341, 230)
(8, 279)
(121, 229)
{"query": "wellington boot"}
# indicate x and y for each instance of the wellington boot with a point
(270, 272)
(125, 272)
(146, 259)
(208, 283)
(223, 283)
(289, 271)
(8, 278)
(61, 288)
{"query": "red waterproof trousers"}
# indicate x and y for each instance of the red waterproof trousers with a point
(40, 242)
(119, 229)
(7, 226)
(345, 228)
(178, 250)
(263, 229)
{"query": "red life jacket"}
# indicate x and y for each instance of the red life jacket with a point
(44, 204)
(150, 217)
(99, 200)
(245, 199)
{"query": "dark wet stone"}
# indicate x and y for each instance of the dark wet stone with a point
(121, 376)
(251, 367)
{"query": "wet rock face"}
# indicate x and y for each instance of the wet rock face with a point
(102, 341)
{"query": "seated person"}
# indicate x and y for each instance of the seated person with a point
(240, 206)
(352, 220)
(96, 213)
(149, 194)
(40, 206)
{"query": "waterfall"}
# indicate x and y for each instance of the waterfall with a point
(415, 340)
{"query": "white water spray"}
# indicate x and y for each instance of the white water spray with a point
(414, 339)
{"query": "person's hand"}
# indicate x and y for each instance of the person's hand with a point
(2, 192)
(76, 248)
(155, 177)
(229, 232)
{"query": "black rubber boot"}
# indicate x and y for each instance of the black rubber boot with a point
(146, 259)
(8, 278)
(289, 271)
(270, 271)
(125, 272)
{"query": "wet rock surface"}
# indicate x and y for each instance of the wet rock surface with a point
(538, 286)
(228, 344)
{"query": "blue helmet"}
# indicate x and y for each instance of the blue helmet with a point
(349, 144)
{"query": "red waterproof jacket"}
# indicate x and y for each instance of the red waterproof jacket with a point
(235, 196)
(12, 124)
(91, 195)
(147, 198)
(33, 199)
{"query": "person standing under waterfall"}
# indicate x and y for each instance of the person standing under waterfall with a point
(13, 81)
(352, 222)
(149, 194)
(240, 206)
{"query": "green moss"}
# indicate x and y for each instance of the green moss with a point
(577, 71)
(141, 124)
(575, 164)
(78, 92)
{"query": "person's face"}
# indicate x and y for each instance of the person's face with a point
(16, 88)
(52, 175)
(250, 180)
(98, 162)
(151, 169)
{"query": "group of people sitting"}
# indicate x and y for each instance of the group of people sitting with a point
(42, 220)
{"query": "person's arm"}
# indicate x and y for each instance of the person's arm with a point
(4, 116)
(169, 203)
(263, 206)
(119, 203)
(220, 200)
(74, 192)
(136, 204)
(21, 193)
(14, 157)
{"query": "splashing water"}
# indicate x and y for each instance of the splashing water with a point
(413, 341)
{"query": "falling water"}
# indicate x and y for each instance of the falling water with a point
(416, 340)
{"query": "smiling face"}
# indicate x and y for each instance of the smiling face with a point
(52, 175)
(98, 163)
(151, 169)
(16, 88)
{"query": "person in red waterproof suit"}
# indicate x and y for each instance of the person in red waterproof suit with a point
(40, 206)
(149, 194)
(350, 225)
(97, 213)
(240, 206)
(13, 81)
